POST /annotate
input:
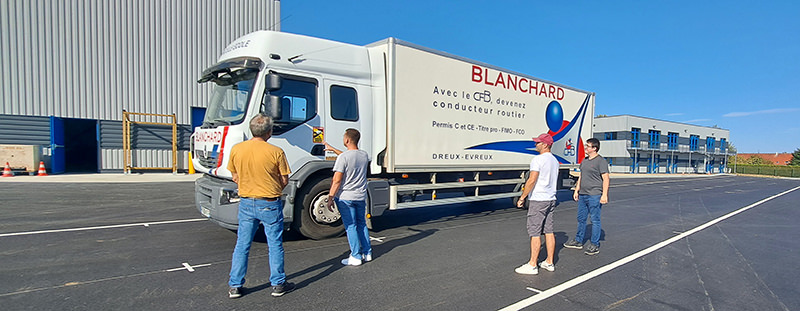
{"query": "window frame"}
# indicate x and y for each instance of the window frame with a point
(354, 104)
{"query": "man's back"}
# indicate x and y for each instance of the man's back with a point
(260, 166)
(353, 164)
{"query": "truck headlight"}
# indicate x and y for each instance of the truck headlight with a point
(229, 196)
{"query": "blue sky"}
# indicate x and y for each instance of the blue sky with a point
(733, 64)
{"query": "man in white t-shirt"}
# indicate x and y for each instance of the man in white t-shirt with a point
(349, 191)
(540, 191)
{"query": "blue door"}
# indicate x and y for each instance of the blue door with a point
(58, 154)
(198, 114)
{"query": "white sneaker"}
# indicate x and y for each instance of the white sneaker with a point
(351, 261)
(367, 257)
(527, 269)
(547, 266)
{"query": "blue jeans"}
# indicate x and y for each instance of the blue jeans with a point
(589, 204)
(355, 225)
(251, 213)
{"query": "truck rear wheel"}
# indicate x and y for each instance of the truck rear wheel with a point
(315, 220)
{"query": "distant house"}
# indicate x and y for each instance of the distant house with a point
(772, 158)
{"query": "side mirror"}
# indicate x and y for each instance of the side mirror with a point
(272, 107)
(273, 82)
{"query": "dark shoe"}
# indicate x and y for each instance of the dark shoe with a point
(279, 290)
(573, 244)
(592, 249)
(234, 292)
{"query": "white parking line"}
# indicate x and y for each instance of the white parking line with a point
(583, 278)
(188, 267)
(145, 224)
(380, 239)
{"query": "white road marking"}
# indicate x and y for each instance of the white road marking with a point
(188, 267)
(583, 278)
(146, 224)
(533, 290)
(380, 239)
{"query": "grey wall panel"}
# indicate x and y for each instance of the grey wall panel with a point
(24, 130)
(113, 160)
(144, 136)
(91, 59)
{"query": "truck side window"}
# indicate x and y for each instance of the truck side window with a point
(344, 103)
(298, 102)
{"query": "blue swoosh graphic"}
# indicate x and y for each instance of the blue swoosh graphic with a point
(580, 112)
(516, 146)
(529, 146)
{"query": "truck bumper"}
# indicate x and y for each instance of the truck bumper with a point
(207, 193)
(208, 200)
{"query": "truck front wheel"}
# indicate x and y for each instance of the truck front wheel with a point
(315, 220)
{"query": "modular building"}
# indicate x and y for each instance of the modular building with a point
(633, 144)
(71, 67)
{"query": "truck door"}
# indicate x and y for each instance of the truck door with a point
(341, 112)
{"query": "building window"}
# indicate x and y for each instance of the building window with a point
(610, 136)
(710, 144)
(635, 137)
(672, 141)
(693, 141)
(344, 103)
(655, 138)
(723, 144)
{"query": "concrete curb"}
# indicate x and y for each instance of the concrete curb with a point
(103, 178)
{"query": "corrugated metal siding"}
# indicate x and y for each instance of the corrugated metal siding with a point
(91, 59)
(24, 130)
(144, 136)
(112, 159)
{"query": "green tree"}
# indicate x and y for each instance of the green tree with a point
(795, 158)
(756, 160)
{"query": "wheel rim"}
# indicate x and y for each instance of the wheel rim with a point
(320, 213)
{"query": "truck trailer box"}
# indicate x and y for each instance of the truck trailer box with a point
(448, 113)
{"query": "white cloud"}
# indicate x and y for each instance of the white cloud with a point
(767, 111)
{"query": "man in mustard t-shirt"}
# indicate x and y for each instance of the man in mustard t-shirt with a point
(261, 171)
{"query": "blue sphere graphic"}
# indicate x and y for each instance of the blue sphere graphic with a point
(554, 116)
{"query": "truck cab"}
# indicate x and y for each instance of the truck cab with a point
(314, 89)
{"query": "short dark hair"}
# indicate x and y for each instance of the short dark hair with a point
(594, 142)
(261, 125)
(353, 134)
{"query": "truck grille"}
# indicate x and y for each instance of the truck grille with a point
(207, 160)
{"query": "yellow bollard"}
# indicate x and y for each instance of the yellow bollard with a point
(191, 166)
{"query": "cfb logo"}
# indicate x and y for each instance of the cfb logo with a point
(569, 148)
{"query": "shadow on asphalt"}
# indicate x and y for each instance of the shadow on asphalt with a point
(335, 263)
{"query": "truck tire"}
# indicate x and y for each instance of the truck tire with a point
(315, 221)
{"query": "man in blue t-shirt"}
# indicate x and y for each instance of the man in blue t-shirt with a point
(349, 191)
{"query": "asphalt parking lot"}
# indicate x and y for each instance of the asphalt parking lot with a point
(694, 243)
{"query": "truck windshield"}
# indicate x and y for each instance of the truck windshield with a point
(230, 97)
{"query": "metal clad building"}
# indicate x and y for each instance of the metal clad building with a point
(634, 144)
(70, 67)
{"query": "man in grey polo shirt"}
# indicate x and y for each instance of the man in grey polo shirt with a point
(591, 192)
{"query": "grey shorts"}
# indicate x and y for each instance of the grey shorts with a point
(540, 217)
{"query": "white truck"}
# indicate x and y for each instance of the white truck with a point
(439, 128)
